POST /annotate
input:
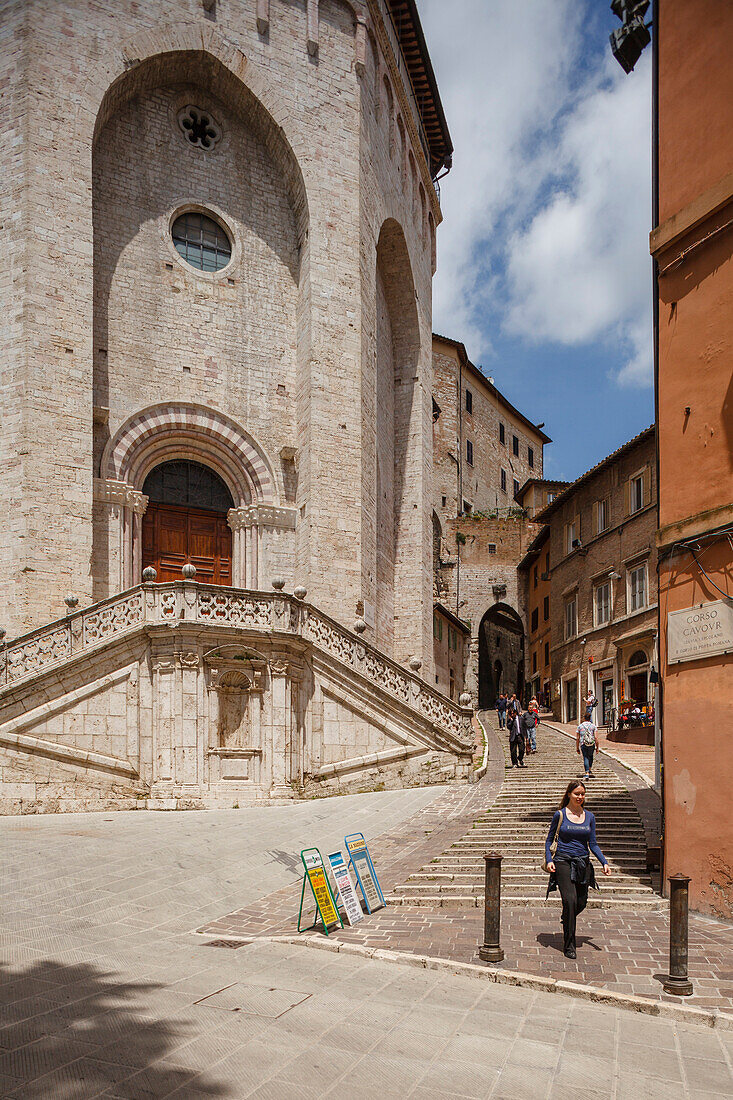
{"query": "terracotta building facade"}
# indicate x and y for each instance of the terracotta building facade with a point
(692, 246)
(603, 587)
(534, 575)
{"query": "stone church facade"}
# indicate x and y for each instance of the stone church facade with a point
(216, 451)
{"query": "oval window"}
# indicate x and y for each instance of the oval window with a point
(201, 242)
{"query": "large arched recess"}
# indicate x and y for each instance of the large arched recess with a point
(135, 363)
(500, 654)
(208, 73)
(398, 456)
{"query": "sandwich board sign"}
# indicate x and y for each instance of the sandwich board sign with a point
(345, 888)
(366, 876)
(315, 875)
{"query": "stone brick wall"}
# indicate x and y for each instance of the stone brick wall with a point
(481, 573)
(318, 155)
(478, 483)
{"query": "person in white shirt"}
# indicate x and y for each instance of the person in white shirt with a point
(586, 742)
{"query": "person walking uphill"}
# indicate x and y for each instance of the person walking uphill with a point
(516, 738)
(573, 831)
(586, 741)
(501, 705)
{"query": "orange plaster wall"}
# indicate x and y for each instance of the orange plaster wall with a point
(698, 753)
(695, 99)
(696, 370)
(696, 449)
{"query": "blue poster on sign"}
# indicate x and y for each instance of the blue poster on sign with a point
(366, 876)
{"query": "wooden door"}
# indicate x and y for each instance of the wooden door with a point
(637, 687)
(174, 535)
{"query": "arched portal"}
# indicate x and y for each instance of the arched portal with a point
(186, 521)
(500, 654)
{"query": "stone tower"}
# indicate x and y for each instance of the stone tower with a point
(220, 223)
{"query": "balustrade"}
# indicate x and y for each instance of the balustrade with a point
(213, 605)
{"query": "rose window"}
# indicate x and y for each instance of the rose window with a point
(198, 127)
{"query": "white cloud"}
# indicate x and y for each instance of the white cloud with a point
(494, 88)
(547, 209)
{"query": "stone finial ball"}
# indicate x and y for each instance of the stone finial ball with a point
(359, 626)
(278, 584)
(464, 699)
(71, 601)
(189, 571)
(415, 664)
(149, 574)
(300, 593)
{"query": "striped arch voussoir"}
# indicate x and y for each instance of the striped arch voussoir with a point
(163, 432)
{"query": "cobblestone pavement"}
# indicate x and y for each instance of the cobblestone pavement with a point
(622, 951)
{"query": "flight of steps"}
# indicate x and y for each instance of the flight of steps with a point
(516, 826)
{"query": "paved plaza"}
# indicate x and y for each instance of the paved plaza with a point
(107, 989)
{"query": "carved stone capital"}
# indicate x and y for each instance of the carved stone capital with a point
(261, 515)
(119, 493)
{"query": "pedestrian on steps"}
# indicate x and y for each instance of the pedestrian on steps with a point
(573, 830)
(586, 742)
(516, 737)
(529, 725)
(501, 705)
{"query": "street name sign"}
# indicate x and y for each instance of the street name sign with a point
(702, 631)
(366, 876)
(345, 888)
(315, 875)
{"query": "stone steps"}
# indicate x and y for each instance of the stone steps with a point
(516, 826)
(648, 903)
(469, 878)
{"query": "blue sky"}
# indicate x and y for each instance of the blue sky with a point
(543, 263)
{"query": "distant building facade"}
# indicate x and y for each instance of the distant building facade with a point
(484, 451)
(537, 493)
(692, 245)
(603, 586)
(534, 578)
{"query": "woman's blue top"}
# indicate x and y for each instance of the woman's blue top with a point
(574, 840)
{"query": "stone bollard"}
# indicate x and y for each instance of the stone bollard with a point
(491, 950)
(678, 982)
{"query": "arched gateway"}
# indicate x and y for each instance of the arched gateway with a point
(500, 654)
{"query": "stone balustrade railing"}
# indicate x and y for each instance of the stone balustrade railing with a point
(193, 602)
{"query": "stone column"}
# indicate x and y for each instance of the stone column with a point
(126, 507)
(280, 728)
(239, 522)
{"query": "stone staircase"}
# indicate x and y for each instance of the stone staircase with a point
(516, 826)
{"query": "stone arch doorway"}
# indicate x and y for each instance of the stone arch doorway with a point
(500, 654)
(186, 521)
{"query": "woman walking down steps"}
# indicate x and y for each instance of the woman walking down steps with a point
(573, 830)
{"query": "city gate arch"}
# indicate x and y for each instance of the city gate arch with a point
(500, 654)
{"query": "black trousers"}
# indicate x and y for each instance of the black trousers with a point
(516, 748)
(574, 900)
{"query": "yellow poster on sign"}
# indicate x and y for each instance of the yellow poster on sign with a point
(315, 875)
(322, 894)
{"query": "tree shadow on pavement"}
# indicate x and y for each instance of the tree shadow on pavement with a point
(72, 1031)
